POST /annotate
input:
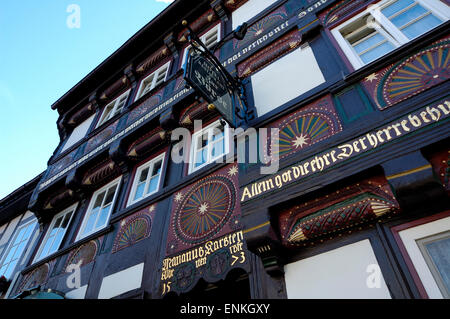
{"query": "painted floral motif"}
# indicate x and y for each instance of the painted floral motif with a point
(204, 211)
(145, 107)
(133, 229)
(306, 127)
(410, 76)
(262, 26)
(101, 137)
(85, 253)
(347, 207)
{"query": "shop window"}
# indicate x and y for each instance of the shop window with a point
(209, 39)
(209, 145)
(14, 251)
(113, 108)
(386, 26)
(99, 210)
(78, 133)
(55, 234)
(147, 179)
(153, 80)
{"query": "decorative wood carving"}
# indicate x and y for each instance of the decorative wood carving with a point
(335, 212)
(196, 111)
(234, 4)
(147, 143)
(205, 19)
(81, 115)
(59, 200)
(279, 48)
(100, 173)
(115, 88)
(152, 60)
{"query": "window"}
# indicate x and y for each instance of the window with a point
(99, 210)
(209, 39)
(435, 252)
(383, 27)
(55, 234)
(78, 133)
(147, 179)
(113, 108)
(153, 80)
(15, 249)
(208, 145)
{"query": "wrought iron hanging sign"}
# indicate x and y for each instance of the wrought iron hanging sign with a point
(205, 74)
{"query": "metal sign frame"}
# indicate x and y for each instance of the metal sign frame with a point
(200, 56)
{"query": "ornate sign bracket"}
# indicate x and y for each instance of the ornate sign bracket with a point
(206, 75)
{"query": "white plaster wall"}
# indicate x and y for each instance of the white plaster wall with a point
(337, 274)
(121, 282)
(79, 293)
(286, 79)
(409, 237)
(78, 133)
(248, 10)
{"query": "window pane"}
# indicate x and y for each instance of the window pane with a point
(421, 26)
(107, 113)
(56, 242)
(139, 191)
(201, 157)
(377, 52)
(156, 168)
(217, 133)
(91, 220)
(110, 195)
(409, 15)
(369, 42)
(10, 255)
(147, 85)
(218, 148)
(9, 270)
(153, 185)
(143, 176)
(396, 7)
(98, 201)
(103, 217)
(2, 270)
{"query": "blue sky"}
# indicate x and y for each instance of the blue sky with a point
(41, 58)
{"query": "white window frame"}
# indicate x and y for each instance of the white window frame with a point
(70, 210)
(210, 159)
(81, 234)
(155, 74)
(216, 28)
(12, 242)
(115, 103)
(384, 26)
(149, 164)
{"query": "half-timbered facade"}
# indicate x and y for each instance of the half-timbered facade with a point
(358, 208)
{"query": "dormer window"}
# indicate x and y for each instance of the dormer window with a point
(153, 80)
(113, 108)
